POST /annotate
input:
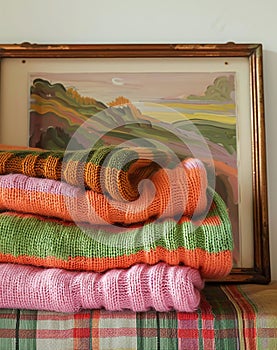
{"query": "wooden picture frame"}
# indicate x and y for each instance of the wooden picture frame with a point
(242, 63)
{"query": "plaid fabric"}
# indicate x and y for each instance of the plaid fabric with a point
(233, 317)
(239, 317)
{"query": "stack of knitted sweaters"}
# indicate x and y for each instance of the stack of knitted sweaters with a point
(113, 227)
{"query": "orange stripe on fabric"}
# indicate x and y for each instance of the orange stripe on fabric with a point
(121, 184)
(89, 206)
(248, 316)
(213, 267)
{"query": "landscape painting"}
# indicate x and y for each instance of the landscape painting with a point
(178, 109)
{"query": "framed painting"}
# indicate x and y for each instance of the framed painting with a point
(200, 100)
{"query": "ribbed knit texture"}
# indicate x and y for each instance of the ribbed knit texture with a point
(139, 288)
(107, 169)
(184, 195)
(59, 247)
(36, 240)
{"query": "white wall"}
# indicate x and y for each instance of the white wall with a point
(159, 21)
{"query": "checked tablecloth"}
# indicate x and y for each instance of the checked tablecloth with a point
(230, 317)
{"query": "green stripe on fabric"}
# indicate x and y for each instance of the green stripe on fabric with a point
(7, 343)
(168, 326)
(147, 333)
(247, 314)
(8, 321)
(157, 330)
(90, 330)
(35, 237)
(42, 154)
(226, 319)
(28, 235)
(17, 329)
(255, 321)
(118, 157)
(27, 330)
(200, 328)
(96, 155)
(117, 330)
(246, 297)
(121, 159)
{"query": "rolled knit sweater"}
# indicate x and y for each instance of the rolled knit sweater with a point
(40, 241)
(185, 195)
(108, 169)
(139, 288)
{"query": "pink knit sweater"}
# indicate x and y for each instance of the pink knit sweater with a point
(139, 288)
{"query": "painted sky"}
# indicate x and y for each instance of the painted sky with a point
(134, 86)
